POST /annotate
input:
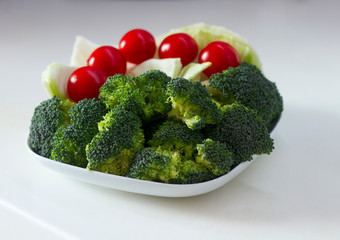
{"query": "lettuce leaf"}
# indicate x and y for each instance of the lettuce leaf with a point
(82, 50)
(170, 66)
(55, 78)
(193, 70)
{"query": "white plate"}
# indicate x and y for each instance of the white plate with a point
(141, 186)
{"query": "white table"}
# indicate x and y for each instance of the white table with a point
(294, 193)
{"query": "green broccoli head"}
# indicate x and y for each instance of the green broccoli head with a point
(192, 103)
(120, 136)
(121, 90)
(153, 84)
(243, 131)
(176, 136)
(247, 85)
(68, 147)
(69, 142)
(155, 165)
(145, 95)
(48, 117)
(87, 113)
(190, 172)
(215, 156)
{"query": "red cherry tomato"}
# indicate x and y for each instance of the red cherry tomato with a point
(137, 46)
(179, 45)
(108, 59)
(221, 55)
(85, 83)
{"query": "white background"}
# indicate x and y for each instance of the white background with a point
(294, 193)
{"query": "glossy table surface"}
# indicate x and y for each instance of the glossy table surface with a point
(291, 194)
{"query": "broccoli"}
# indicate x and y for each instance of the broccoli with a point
(153, 84)
(155, 165)
(215, 156)
(243, 131)
(192, 103)
(212, 159)
(121, 90)
(145, 94)
(120, 136)
(246, 85)
(48, 117)
(87, 113)
(176, 136)
(69, 142)
(68, 148)
(171, 158)
(190, 172)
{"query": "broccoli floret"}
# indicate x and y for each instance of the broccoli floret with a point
(215, 156)
(167, 166)
(247, 85)
(120, 136)
(121, 90)
(243, 131)
(212, 159)
(155, 165)
(69, 142)
(190, 172)
(145, 95)
(176, 136)
(192, 103)
(48, 117)
(87, 113)
(153, 84)
(68, 148)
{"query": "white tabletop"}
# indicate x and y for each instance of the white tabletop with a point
(294, 193)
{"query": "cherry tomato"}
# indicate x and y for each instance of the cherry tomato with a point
(85, 83)
(179, 45)
(108, 59)
(221, 55)
(137, 46)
